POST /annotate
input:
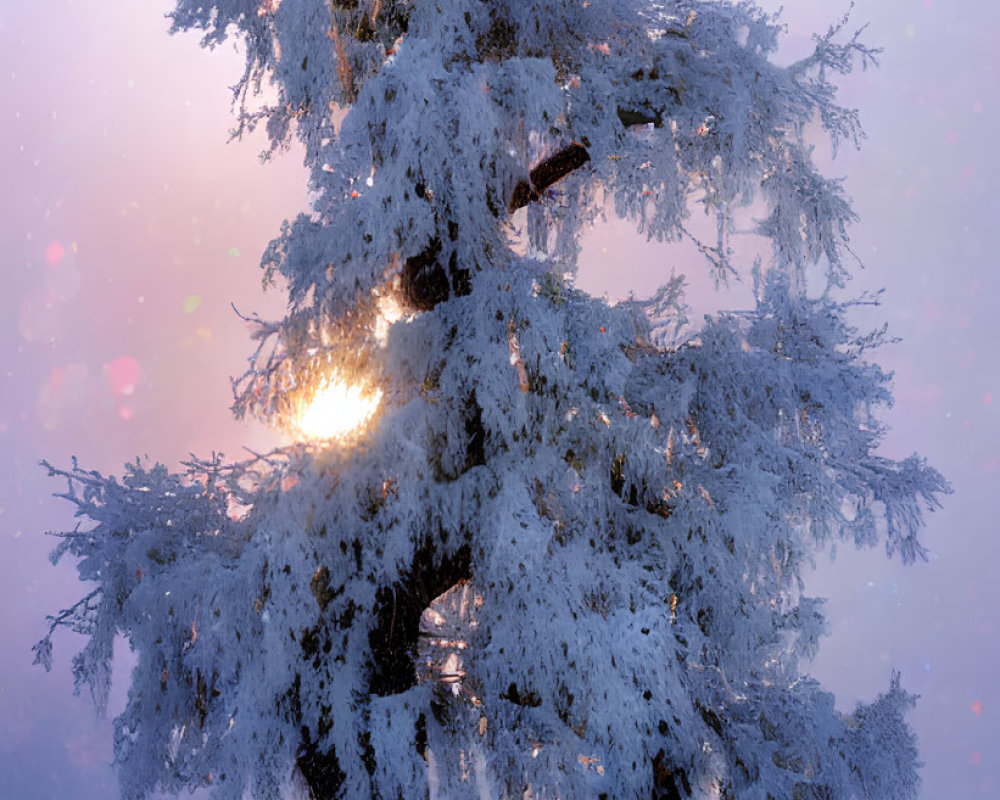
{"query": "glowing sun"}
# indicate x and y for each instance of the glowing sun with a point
(336, 409)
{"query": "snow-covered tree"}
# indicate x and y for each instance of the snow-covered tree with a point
(562, 555)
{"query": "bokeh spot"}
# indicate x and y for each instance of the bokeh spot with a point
(123, 375)
(54, 252)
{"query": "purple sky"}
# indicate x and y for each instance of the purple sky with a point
(129, 225)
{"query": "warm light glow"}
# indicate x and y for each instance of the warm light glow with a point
(389, 311)
(336, 409)
(268, 7)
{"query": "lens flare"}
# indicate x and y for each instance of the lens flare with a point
(336, 409)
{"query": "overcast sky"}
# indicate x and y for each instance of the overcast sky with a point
(129, 225)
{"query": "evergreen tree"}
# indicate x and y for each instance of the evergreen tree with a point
(563, 556)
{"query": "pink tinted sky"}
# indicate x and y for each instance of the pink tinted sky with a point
(129, 225)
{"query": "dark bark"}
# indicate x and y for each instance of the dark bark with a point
(321, 771)
(433, 275)
(393, 644)
(426, 281)
(393, 640)
(630, 117)
(547, 172)
(669, 782)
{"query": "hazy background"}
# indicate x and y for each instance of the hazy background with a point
(128, 225)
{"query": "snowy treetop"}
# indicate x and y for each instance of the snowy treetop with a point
(452, 105)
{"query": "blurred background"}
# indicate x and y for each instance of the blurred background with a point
(129, 225)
